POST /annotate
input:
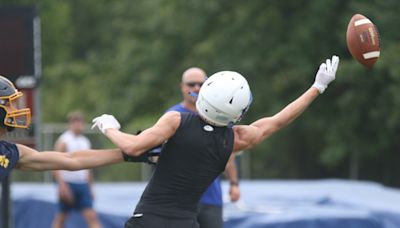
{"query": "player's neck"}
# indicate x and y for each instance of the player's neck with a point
(189, 106)
(75, 132)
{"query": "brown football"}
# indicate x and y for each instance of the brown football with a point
(363, 40)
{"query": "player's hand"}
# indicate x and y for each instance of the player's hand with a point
(326, 73)
(105, 122)
(234, 193)
(65, 193)
(92, 194)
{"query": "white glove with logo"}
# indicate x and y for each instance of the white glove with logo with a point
(105, 122)
(326, 73)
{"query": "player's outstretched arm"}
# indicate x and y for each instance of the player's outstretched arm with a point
(269, 125)
(33, 160)
(249, 136)
(135, 145)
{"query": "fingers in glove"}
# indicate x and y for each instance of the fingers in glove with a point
(322, 66)
(95, 119)
(328, 65)
(335, 62)
(94, 125)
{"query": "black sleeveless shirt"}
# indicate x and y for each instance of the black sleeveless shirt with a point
(189, 162)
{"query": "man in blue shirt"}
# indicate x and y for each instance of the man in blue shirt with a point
(210, 206)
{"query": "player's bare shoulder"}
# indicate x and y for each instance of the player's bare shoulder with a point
(25, 151)
(25, 154)
(171, 119)
(245, 137)
(166, 126)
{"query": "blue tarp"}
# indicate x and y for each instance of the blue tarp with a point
(267, 204)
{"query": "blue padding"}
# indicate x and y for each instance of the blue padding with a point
(37, 213)
(314, 204)
(266, 204)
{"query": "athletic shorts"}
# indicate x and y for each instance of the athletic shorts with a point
(209, 216)
(157, 221)
(82, 198)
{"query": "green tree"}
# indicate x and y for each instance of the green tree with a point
(126, 57)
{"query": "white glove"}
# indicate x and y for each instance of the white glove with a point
(105, 122)
(326, 74)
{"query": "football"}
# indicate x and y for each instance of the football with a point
(363, 40)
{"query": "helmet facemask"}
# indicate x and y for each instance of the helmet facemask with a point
(15, 116)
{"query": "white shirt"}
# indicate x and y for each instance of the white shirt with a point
(73, 143)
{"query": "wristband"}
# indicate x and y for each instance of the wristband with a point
(234, 183)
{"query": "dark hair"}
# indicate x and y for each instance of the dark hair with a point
(75, 116)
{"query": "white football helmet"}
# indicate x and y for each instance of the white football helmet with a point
(224, 98)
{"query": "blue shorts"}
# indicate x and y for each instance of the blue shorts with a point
(82, 198)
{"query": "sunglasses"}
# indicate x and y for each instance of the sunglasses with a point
(193, 84)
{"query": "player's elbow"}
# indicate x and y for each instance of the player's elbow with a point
(74, 166)
(71, 163)
(135, 147)
(130, 150)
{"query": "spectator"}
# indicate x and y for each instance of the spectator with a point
(74, 187)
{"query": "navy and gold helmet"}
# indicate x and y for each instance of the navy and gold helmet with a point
(11, 113)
